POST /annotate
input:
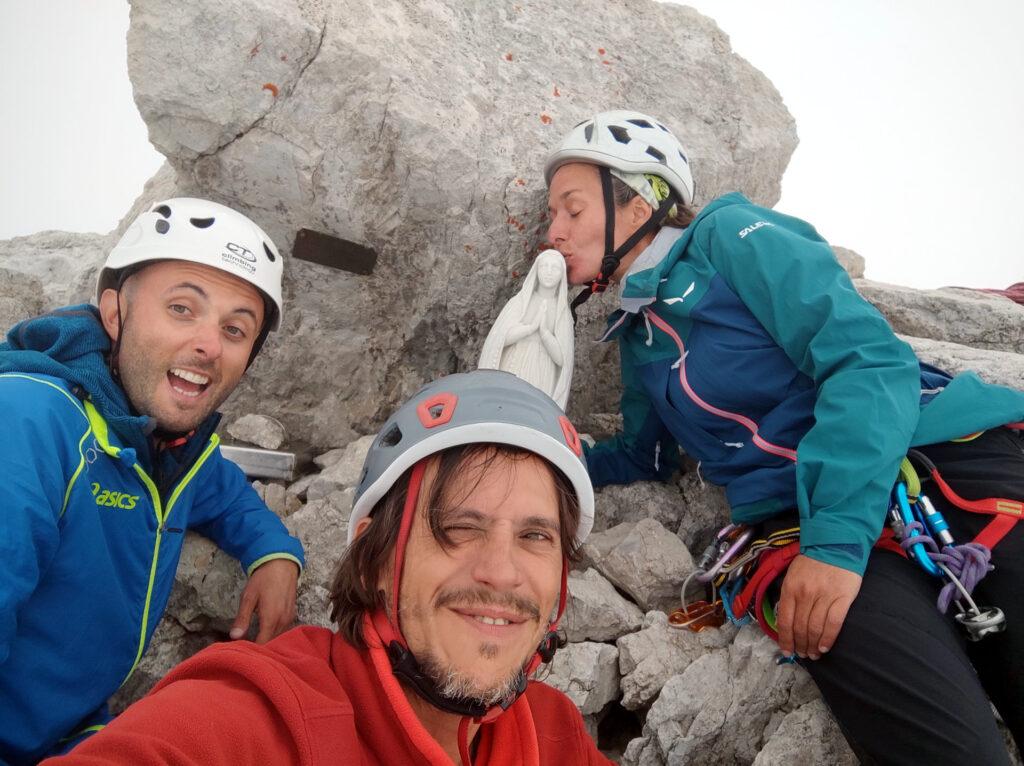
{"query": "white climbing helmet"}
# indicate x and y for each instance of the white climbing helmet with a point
(203, 232)
(482, 406)
(630, 142)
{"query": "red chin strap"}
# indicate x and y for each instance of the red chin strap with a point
(390, 630)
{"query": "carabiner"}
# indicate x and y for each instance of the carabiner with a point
(917, 550)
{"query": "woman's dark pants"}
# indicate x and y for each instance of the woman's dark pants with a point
(902, 680)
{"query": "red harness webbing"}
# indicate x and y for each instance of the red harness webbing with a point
(769, 568)
(1007, 512)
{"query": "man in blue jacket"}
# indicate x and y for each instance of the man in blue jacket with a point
(109, 455)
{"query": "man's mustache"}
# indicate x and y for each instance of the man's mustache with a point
(466, 597)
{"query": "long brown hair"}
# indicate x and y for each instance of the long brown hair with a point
(355, 589)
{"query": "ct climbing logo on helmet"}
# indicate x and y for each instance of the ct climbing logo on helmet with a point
(108, 499)
(239, 256)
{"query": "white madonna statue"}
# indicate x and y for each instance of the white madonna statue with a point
(533, 335)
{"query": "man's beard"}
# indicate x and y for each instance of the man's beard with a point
(141, 374)
(453, 685)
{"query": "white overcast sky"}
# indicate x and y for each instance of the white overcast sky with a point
(910, 115)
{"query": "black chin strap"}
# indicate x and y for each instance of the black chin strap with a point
(614, 256)
(115, 346)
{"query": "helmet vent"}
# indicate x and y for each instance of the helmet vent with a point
(684, 157)
(391, 437)
(162, 226)
(640, 123)
(163, 210)
(588, 132)
(270, 253)
(619, 133)
(201, 223)
(656, 154)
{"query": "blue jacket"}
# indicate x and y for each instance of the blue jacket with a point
(743, 340)
(92, 529)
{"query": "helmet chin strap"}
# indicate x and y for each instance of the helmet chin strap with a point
(405, 665)
(613, 256)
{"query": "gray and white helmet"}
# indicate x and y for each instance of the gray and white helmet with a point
(629, 142)
(478, 407)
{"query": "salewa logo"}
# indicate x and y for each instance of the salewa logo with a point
(107, 499)
(754, 227)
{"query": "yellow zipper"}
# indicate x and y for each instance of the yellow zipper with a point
(100, 430)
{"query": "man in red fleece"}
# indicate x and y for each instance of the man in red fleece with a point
(473, 501)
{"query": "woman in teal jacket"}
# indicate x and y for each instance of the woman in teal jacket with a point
(744, 341)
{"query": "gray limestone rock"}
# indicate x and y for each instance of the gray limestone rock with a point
(430, 156)
(596, 611)
(329, 458)
(648, 658)
(851, 261)
(322, 526)
(52, 269)
(644, 559)
(1000, 367)
(588, 673)
(615, 504)
(343, 469)
(280, 500)
(207, 587)
(347, 469)
(300, 486)
(171, 645)
(952, 314)
(21, 297)
(716, 710)
(261, 430)
(807, 736)
(209, 582)
(707, 510)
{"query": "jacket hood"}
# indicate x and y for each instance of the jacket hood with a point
(70, 343)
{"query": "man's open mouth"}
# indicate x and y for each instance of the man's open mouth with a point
(186, 382)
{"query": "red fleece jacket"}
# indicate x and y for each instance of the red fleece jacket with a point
(309, 697)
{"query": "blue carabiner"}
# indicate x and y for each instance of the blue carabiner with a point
(917, 550)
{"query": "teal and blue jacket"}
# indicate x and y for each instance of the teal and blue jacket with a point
(91, 527)
(743, 341)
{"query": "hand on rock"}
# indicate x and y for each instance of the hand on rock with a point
(270, 593)
(815, 599)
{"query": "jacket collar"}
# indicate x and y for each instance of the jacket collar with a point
(71, 344)
(640, 286)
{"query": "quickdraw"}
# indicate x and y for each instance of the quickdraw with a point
(734, 566)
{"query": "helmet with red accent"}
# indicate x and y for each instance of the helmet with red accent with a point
(479, 407)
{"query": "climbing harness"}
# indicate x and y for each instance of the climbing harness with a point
(739, 568)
